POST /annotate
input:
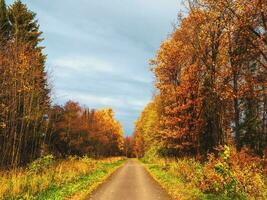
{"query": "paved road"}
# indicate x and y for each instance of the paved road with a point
(130, 182)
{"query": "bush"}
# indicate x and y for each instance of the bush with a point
(41, 163)
(231, 175)
(151, 155)
(235, 175)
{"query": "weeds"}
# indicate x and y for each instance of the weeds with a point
(46, 175)
(232, 175)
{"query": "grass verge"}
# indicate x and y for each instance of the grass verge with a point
(231, 175)
(73, 178)
(175, 187)
(82, 187)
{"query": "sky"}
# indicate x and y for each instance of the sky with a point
(98, 51)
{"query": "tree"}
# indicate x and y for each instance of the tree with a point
(24, 92)
(211, 79)
(80, 131)
(25, 27)
(4, 22)
(128, 147)
(146, 134)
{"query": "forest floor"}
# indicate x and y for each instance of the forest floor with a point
(130, 182)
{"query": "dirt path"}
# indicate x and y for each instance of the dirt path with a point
(130, 182)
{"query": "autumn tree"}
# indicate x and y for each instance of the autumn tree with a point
(211, 78)
(128, 146)
(138, 145)
(245, 44)
(24, 93)
(146, 133)
(107, 134)
(80, 131)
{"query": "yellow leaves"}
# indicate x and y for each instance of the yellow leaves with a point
(146, 127)
(2, 125)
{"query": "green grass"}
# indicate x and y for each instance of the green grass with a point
(83, 186)
(72, 178)
(176, 186)
(173, 184)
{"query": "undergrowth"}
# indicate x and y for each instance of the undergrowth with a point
(47, 178)
(230, 176)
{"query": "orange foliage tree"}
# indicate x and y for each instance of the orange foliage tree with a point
(24, 94)
(211, 78)
(80, 131)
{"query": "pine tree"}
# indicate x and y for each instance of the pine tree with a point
(25, 27)
(4, 22)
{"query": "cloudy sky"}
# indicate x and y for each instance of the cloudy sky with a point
(98, 50)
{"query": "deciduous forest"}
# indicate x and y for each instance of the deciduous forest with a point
(34, 133)
(202, 136)
(30, 125)
(210, 108)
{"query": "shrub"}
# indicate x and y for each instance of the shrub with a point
(151, 155)
(231, 175)
(188, 170)
(41, 163)
(236, 175)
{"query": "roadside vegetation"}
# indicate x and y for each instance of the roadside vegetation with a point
(232, 175)
(47, 178)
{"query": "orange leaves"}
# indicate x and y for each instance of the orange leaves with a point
(238, 173)
(176, 81)
(2, 125)
(24, 94)
(84, 131)
(147, 128)
(216, 56)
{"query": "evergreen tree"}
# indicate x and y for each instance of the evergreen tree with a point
(4, 22)
(25, 27)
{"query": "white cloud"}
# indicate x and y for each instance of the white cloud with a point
(98, 50)
(102, 101)
(83, 64)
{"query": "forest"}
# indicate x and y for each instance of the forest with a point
(30, 125)
(202, 136)
(210, 108)
(38, 138)
(211, 81)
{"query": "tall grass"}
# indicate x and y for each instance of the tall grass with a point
(45, 173)
(230, 176)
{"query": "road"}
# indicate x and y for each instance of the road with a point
(130, 182)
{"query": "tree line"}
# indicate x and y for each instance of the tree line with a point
(211, 79)
(74, 130)
(30, 125)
